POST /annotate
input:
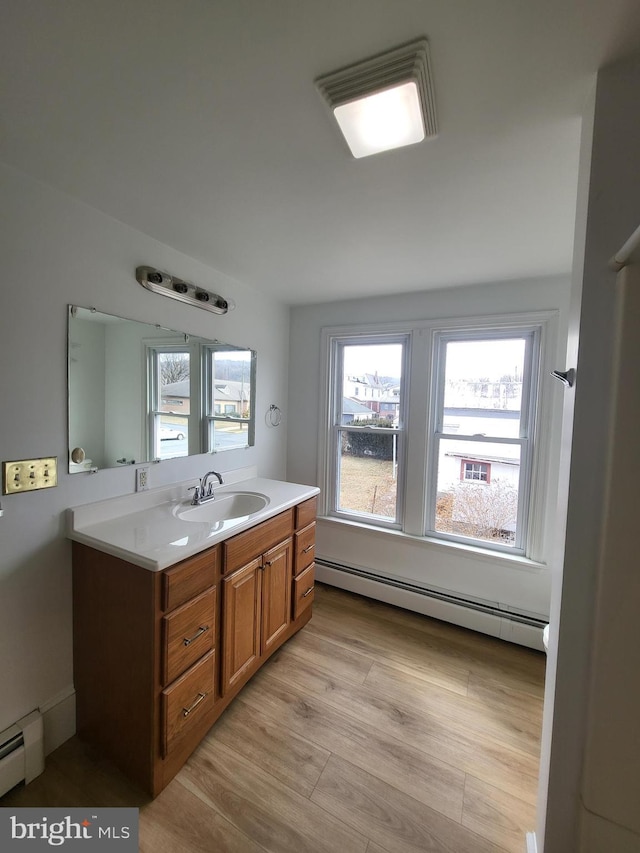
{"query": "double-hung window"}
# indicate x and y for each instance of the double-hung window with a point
(480, 472)
(459, 458)
(169, 403)
(199, 398)
(367, 434)
(228, 423)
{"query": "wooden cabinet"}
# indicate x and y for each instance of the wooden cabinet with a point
(241, 620)
(159, 655)
(277, 567)
(304, 559)
(256, 612)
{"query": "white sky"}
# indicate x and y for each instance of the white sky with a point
(485, 359)
(233, 355)
(465, 359)
(386, 359)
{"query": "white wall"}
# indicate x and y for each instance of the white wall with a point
(126, 422)
(504, 582)
(592, 807)
(57, 251)
(87, 372)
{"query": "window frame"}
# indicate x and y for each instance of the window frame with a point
(337, 429)
(200, 387)
(154, 400)
(532, 333)
(209, 416)
(420, 385)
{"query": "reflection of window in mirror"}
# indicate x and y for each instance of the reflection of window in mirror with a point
(170, 409)
(175, 379)
(136, 391)
(229, 375)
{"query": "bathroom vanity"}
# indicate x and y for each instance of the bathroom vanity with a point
(173, 613)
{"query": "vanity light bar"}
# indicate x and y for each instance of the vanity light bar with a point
(184, 291)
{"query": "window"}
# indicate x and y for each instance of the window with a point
(229, 375)
(169, 389)
(199, 398)
(484, 381)
(464, 458)
(367, 450)
(475, 471)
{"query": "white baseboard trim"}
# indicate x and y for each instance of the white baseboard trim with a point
(532, 846)
(457, 614)
(59, 719)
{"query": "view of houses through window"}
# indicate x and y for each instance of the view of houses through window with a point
(173, 396)
(481, 399)
(228, 396)
(479, 436)
(179, 377)
(369, 429)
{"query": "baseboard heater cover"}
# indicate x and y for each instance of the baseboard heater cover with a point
(439, 595)
(21, 752)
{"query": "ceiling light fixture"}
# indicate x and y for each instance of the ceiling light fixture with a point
(384, 102)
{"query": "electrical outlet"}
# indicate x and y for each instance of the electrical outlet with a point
(142, 479)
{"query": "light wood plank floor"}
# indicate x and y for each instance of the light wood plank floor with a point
(373, 730)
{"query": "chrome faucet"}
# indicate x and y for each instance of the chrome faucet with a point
(204, 492)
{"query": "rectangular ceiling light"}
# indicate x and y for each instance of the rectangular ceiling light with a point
(384, 102)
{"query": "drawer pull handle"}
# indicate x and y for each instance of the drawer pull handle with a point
(267, 563)
(201, 630)
(201, 698)
(307, 549)
(308, 592)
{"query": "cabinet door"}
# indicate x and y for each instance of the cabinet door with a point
(276, 593)
(241, 623)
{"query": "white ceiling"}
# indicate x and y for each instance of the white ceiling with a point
(197, 122)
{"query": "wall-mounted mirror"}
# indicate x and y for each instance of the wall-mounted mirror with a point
(139, 392)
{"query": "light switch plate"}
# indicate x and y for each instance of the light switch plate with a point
(27, 475)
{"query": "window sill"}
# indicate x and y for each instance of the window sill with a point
(471, 552)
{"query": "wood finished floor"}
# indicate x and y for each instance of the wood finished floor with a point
(373, 730)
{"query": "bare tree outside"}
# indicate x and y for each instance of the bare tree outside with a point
(174, 367)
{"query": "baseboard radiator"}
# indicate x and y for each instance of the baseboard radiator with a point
(21, 752)
(522, 628)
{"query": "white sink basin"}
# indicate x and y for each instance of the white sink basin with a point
(225, 507)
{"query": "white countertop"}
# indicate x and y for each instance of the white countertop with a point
(144, 529)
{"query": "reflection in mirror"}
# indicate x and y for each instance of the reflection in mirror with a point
(138, 392)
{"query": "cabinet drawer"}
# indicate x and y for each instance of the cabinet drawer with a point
(189, 578)
(188, 633)
(305, 548)
(244, 547)
(306, 512)
(187, 701)
(303, 591)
